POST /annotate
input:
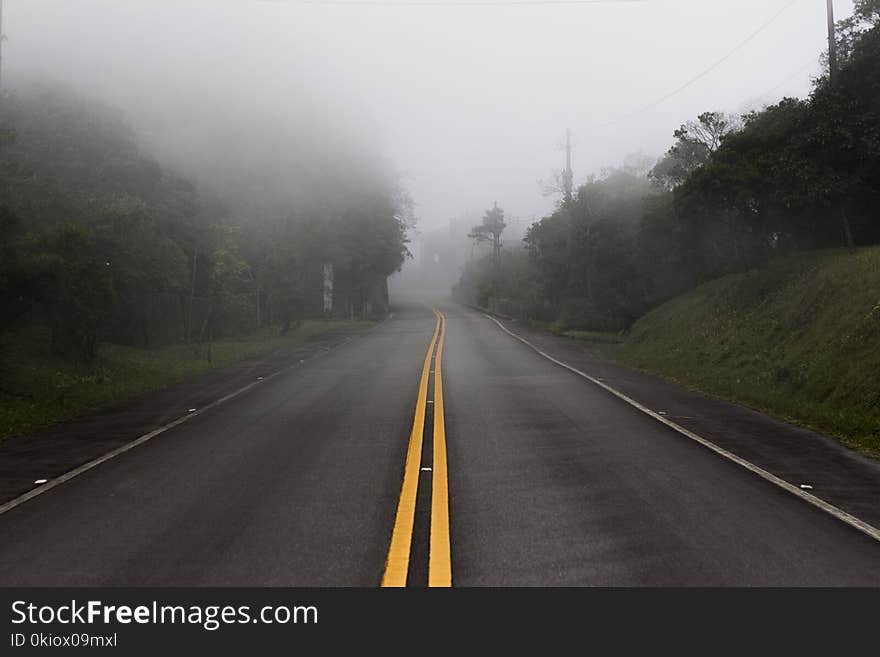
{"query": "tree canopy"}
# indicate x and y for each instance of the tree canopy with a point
(100, 241)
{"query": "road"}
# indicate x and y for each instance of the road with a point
(550, 481)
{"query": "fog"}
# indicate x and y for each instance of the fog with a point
(325, 253)
(469, 104)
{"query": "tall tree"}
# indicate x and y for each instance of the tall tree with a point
(490, 230)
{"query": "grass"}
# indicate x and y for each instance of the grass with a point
(593, 337)
(799, 339)
(38, 390)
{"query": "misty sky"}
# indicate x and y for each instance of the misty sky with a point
(469, 103)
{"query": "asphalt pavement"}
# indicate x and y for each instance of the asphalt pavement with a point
(551, 481)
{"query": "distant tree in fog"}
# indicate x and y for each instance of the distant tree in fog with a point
(491, 229)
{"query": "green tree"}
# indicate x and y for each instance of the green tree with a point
(695, 142)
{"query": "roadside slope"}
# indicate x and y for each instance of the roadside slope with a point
(799, 338)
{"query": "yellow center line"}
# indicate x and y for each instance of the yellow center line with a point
(440, 559)
(397, 564)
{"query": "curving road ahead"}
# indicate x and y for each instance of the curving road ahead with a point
(550, 481)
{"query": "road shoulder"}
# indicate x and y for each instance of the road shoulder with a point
(811, 461)
(47, 454)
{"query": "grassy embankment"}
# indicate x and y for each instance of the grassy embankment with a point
(38, 390)
(799, 339)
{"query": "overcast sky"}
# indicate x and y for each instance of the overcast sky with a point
(469, 103)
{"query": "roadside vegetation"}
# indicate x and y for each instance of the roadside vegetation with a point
(799, 338)
(38, 389)
(102, 243)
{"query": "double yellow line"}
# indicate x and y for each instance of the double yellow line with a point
(439, 558)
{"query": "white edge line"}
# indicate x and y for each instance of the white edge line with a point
(85, 467)
(838, 513)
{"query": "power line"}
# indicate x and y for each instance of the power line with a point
(742, 44)
(806, 65)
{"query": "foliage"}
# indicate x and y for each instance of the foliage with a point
(101, 242)
(695, 142)
(586, 253)
(507, 286)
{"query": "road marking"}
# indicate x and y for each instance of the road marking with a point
(85, 467)
(439, 559)
(397, 562)
(819, 503)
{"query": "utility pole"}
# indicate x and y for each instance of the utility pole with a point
(2, 37)
(832, 43)
(567, 175)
